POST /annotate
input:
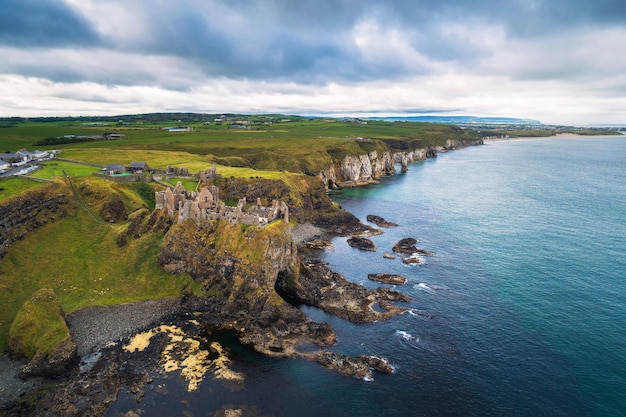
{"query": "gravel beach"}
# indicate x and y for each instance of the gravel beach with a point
(93, 327)
(302, 233)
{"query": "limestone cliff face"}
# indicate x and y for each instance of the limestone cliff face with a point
(29, 211)
(239, 266)
(367, 168)
(358, 170)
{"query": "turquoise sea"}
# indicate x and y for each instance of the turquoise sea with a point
(521, 311)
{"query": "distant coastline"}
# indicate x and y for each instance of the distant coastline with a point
(555, 136)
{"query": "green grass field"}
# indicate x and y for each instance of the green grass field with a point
(12, 186)
(74, 258)
(55, 168)
(304, 145)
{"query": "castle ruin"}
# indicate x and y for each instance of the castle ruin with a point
(206, 205)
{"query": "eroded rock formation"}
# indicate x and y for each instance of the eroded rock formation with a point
(367, 168)
(392, 279)
(379, 221)
(29, 211)
(362, 243)
(319, 286)
(240, 266)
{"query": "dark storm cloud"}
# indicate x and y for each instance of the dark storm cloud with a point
(305, 41)
(313, 40)
(42, 23)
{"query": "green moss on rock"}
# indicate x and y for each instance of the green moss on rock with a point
(38, 326)
(39, 333)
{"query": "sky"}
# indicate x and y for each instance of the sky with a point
(557, 61)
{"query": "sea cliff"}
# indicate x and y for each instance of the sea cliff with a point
(356, 170)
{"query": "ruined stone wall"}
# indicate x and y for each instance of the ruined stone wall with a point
(206, 205)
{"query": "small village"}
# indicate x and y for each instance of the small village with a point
(18, 163)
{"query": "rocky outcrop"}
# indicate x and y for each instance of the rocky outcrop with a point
(256, 280)
(406, 246)
(405, 158)
(31, 210)
(356, 170)
(318, 286)
(379, 221)
(359, 367)
(239, 266)
(362, 243)
(392, 279)
(452, 144)
(40, 334)
(113, 210)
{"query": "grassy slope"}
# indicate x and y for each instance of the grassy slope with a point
(12, 186)
(55, 168)
(74, 257)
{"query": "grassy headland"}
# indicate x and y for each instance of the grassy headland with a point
(80, 257)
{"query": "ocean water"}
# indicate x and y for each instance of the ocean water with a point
(521, 311)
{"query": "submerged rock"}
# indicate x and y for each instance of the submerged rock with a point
(359, 367)
(412, 260)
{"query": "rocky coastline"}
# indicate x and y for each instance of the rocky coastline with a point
(369, 168)
(262, 312)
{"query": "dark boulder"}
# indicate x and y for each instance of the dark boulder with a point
(392, 279)
(362, 243)
(379, 221)
(407, 246)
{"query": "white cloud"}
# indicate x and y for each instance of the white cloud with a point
(453, 94)
(519, 59)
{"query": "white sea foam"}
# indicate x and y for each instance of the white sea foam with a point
(424, 287)
(405, 335)
(421, 260)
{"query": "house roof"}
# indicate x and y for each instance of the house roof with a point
(114, 167)
(11, 157)
(138, 164)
